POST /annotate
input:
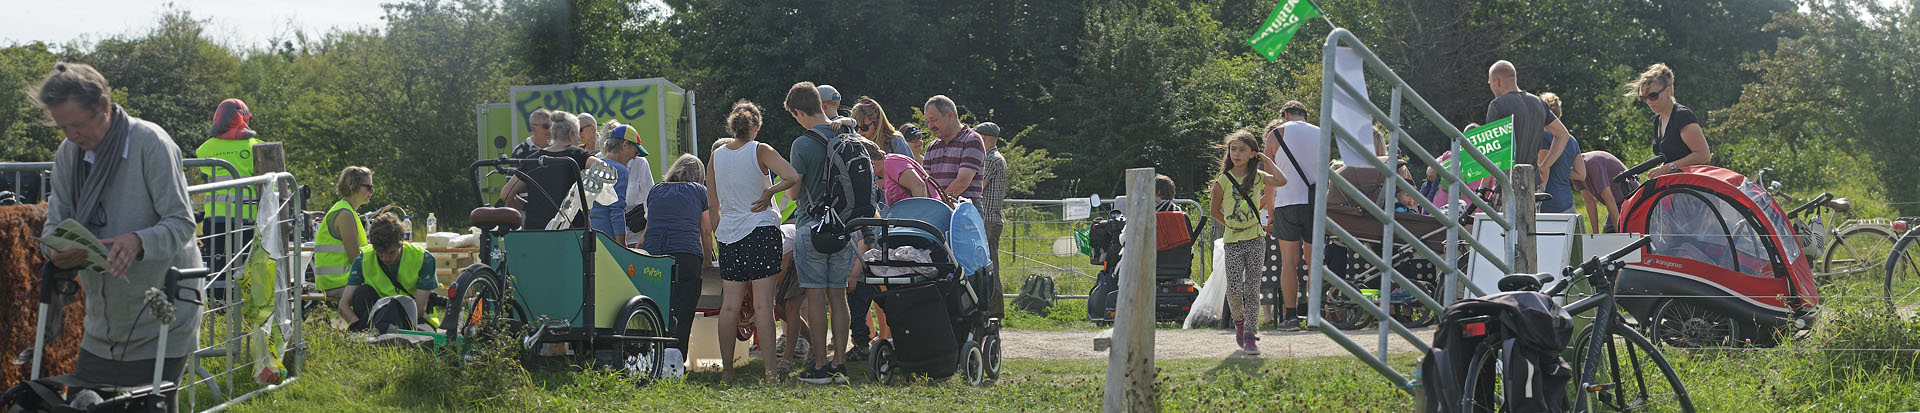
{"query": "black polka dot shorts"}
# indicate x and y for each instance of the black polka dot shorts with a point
(754, 257)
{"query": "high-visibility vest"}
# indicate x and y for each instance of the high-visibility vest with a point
(411, 258)
(238, 152)
(330, 256)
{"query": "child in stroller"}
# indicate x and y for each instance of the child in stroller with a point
(930, 298)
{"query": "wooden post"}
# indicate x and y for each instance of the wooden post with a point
(1130, 372)
(269, 157)
(1522, 201)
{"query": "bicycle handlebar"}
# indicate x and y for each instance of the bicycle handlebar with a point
(1594, 264)
(1642, 168)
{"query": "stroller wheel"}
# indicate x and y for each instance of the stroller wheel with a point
(990, 347)
(881, 363)
(1686, 325)
(973, 364)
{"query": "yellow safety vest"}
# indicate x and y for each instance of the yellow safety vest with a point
(330, 257)
(238, 152)
(411, 258)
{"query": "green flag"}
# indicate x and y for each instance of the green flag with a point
(1495, 140)
(1286, 19)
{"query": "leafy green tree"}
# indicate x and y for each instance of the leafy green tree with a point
(173, 76)
(24, 133)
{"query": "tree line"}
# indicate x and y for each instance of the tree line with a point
(1822, 90)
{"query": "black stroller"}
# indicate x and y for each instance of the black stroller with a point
(932, 305)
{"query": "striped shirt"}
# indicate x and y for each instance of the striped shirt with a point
(945, 159)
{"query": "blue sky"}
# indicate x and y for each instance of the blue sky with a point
(236, 23)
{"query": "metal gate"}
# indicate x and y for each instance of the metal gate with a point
(1452, 279)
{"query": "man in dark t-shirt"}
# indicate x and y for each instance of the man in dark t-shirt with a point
(1530, 119)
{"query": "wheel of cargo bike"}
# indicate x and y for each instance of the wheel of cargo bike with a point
(1343, 313)
(1856, 255)
(1682, 324)
(644, 361)
(477, 306)
(1631, 376)
(973, 364)
(1902, 281)
(882, 363)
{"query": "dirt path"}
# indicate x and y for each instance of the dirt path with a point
(1198, 343)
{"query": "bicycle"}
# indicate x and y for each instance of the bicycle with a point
(1902, 279)
(1620, 384)
(1852, 247)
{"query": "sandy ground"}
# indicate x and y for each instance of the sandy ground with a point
(1197, 343)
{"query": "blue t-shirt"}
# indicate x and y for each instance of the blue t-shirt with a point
(1560, 177)
(619, 185)
(673, 218)
(426, 279)
(810, 159)
(900, 146)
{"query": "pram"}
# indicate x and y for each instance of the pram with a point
(937, 322)
(1346, 314)
(38, 395)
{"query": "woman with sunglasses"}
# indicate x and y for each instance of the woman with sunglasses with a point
(1677, 134)
(341, 232)
(875, 127)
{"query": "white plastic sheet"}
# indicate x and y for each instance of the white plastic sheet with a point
(1213, 293)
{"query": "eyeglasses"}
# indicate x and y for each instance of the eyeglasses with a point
(865, 127)
(543, 125)
(1655, 95)
(369, 187)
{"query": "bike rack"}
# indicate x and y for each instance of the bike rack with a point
(1452, 279)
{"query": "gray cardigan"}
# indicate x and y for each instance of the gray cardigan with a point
(148, 197)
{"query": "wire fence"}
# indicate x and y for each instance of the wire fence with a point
(251, 339)
(1040, 240)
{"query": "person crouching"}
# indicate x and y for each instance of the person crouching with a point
(397, 270)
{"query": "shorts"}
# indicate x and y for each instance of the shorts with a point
(1292, 223)
(817, 270)
(754, 257)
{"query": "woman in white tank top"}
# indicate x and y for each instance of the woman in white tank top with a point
(747, 228)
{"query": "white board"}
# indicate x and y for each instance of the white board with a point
(1555, 251)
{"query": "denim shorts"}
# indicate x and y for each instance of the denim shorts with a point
(817, 270)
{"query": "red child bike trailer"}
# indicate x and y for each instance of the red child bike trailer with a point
(1722, 269)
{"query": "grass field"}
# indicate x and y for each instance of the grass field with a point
(1820, 372)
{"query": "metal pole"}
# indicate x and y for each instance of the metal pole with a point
(1130, 372)
(1387, 201)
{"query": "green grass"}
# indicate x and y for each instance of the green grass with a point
(343, 375)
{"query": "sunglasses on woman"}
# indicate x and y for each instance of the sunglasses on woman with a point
(1655, 95)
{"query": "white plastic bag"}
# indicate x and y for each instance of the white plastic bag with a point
(1213, 294)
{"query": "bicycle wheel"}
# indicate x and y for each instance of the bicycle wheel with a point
(1854, 255)
(1483, 391)
(1343, 313)
(1902, 283)
(1626, 380)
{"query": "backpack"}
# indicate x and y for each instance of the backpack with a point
(849, 177)
(1530, 330)
(1036, 295)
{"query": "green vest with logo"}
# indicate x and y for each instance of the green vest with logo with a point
(238, 152)
(330, 257)
(390, 285)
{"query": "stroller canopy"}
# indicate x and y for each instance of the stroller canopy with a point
(928, 210)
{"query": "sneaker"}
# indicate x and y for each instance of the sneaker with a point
(858, 353)
(1251, 347)
(1292, 324)
(817, 375)
(839, 373)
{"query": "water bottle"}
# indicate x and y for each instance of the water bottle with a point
(406, 228)
(432, 223)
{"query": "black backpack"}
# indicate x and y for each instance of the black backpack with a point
(848, 175)
(1036, 295)
(1531, 332)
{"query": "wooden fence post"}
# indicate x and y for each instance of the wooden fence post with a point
(1130, 372)
(1526, 249)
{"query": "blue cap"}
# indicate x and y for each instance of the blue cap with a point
(828, 93)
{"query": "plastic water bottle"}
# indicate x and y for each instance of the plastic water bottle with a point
(406, 227)
(433, 223)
